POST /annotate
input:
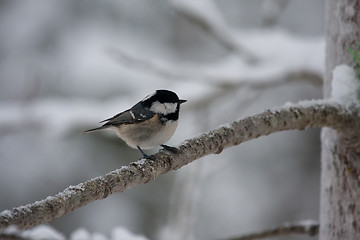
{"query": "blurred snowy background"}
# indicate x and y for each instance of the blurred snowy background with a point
(66, 65)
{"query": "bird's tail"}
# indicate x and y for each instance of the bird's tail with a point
(95, 129)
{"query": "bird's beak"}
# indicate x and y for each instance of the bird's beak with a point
(182, 101)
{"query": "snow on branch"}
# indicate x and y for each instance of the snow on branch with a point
(46, 232)
(309, 227)
(345, 86)
(254, 79)
(40, 232)
(290, 117)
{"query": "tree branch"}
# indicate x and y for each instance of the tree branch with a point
(166, 70)
(205, 15)
(310, 228)
(304, 115)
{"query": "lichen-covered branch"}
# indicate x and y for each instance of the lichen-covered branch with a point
(301, 116)
(310, 228)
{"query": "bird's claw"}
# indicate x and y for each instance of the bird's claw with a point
(150, 157)
(169, 148)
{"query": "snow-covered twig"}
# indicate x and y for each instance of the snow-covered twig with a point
(310, 228)
(167, 70)
(290, 117)
(204, 14)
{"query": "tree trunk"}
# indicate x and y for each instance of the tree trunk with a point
(340, 175)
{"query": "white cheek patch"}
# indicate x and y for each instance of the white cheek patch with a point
(170, 107)
(163, 108)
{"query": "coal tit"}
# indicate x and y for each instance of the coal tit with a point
(149, 123)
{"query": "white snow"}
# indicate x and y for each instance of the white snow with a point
(345, 85)
(11, 229)
(304, 103)
(46, 232)
(308, 223)
(83, 234)
(121, 233)
(6, 212)
(76, 187)
(43, 232)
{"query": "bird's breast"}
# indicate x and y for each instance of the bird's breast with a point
(147, 134)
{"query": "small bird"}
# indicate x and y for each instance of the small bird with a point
(149, 123)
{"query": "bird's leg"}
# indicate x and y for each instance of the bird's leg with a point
(170, 149)
(145, 155)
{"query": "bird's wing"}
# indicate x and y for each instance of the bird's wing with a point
(130, 116)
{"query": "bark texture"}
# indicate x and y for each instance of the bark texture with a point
(305, 115)
(340, 176)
